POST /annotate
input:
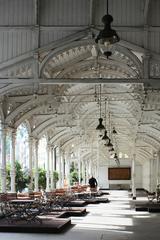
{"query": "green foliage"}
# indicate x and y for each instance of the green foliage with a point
(42, 178)
(8, 177)
(72, 167)
(74, 176)
(73, 173)
(55, 176)
(22, 178)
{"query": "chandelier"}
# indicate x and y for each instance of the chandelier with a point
(108, 36)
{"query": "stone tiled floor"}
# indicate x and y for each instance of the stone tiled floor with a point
(116, 220)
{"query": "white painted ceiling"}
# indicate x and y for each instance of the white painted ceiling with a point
(51, 72)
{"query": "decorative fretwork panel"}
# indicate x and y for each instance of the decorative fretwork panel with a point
(155, 69)
(18, 71)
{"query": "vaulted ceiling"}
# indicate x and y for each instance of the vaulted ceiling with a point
(51, 71)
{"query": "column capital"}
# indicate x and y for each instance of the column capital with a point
(36, 141)
(30, 138)
(4, 128)
(13, 133)
(49, 146)
(155, 155)
(3, 125)
(146, 56)
(12, 129)
(52, 146)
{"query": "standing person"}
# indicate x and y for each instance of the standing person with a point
(93, 183)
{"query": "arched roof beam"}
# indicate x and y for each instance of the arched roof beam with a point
(23, 107)
(150, 140)
(122, 69)
(60, 137)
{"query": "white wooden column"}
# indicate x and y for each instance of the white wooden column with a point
(154, 172)
(30, 141)
(87, 171)
(86, 167)
(157, 168)
(95, 169)
(36, 187)
(12, 152)
(151, 175)
(79, 167)
(3, 158)
(97, 162)
(59, 184)
(68, 161)
(47, 169)
(83, 172)
(55, 167)
(63, 167)
(89, 168)
(133, 177)
(52, 164)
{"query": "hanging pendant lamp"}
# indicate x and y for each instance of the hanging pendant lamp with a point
(110, 145)
(100, 126)
(107, 36)
(114, 131)
(105, 138)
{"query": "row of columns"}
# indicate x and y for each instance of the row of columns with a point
(63, 166)
(153, 174)
(155, 171)
(3, 160)
(64, 161)
(133, 175)
(12, 152)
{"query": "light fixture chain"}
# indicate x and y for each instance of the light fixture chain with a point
(100, 99)
(105, 111)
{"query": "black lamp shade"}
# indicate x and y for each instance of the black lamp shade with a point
(114, 131)
(110, 145)
(100, 125)
(111, 150)
(105, 137)
(107, 35)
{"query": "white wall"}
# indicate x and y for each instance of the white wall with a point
(103, 177)
(138, 176)
(103, 174)
(146, 175)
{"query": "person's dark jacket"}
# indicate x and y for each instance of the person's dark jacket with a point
(92, 182)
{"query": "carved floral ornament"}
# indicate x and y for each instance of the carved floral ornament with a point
(84, 59)
(24, 70)
(68, 62)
